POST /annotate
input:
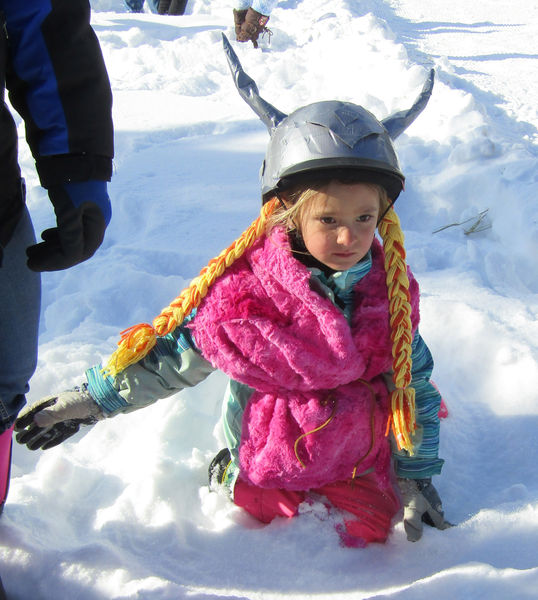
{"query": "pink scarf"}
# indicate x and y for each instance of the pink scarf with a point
(263, 325)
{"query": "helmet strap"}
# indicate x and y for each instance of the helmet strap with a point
(385, 211)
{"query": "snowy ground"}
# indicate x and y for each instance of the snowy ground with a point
(124, 511)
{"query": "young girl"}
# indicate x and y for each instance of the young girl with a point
(314, 322)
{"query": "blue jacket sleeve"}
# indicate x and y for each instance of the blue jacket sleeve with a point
(57, 82)
(425, 462)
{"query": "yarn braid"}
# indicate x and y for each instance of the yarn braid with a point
(402, 418)
(137, 342)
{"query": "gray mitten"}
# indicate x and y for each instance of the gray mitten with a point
(53, 419)
(421, 505)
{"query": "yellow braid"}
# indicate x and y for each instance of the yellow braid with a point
(137, 341)
(403, 397)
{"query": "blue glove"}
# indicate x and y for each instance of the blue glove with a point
(82, 214)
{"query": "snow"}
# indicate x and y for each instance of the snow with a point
(123, 510)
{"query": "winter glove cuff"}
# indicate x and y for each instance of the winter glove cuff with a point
(58, 168)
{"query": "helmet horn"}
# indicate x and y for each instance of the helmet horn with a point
(248, 90)
(400, 121)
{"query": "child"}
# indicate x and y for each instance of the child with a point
(315, 324)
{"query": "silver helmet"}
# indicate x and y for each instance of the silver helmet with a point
(326, 137)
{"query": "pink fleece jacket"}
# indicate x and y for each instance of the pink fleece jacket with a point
(264, 326)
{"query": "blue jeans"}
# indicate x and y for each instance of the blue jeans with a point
(138, 5)
(264, 7)
(20, 302)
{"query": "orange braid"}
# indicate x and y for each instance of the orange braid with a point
(137, 341)
(403, 397)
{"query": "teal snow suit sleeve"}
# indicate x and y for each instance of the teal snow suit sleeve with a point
(425, 462)
(172, 365)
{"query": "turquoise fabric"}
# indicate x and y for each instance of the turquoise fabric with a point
(425, 462)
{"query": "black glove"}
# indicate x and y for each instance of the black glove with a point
(82, 215)
(51, 420)
(172, 7)
(421, 505)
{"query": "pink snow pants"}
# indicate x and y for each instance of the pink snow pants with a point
(5, 463)
(369, 509)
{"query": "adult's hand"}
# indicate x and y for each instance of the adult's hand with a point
(82, 214)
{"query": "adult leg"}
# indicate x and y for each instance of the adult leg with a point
(168, 7)
(20, 299)
(135, 5)
(266, 504)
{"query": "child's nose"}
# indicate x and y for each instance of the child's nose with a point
(346, 236)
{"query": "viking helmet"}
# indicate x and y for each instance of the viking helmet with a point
(327, 136)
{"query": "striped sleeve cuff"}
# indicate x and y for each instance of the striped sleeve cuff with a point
(418, 468)
(103, 392)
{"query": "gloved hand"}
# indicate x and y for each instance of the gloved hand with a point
(171, 7)
(82, 215)
(53, 419)
(253, 24)
(421, 505)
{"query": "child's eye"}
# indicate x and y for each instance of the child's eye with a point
(327, 220)
(364, 218)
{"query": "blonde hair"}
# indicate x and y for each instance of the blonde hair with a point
(295, 203)
(137, 341)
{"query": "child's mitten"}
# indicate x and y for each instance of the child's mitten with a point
(421, 505)
(53, 419)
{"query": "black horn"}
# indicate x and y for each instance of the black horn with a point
(400, 121)
(248, 90)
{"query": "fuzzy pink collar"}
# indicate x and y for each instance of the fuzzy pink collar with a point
(264, 326)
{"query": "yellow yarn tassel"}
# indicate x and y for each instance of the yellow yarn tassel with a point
(137, 342)
(403, 417)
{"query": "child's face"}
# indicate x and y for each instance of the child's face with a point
(339, 223)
